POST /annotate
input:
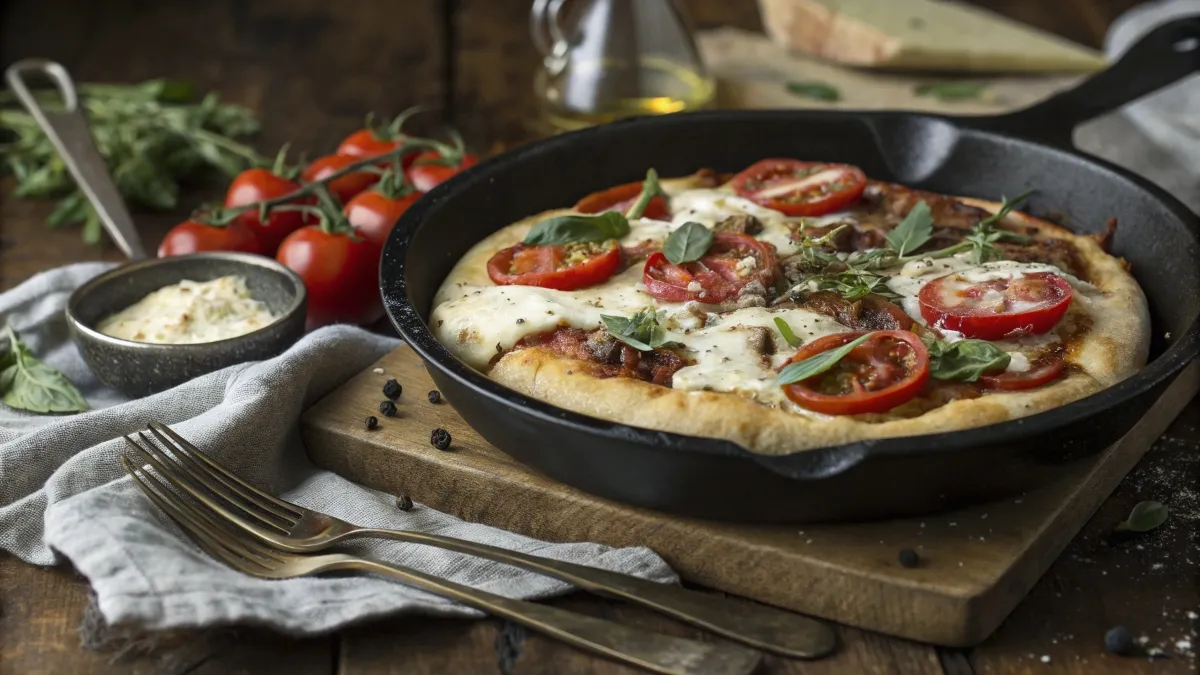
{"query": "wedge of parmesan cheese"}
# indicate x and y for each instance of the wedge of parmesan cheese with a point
(920, 35)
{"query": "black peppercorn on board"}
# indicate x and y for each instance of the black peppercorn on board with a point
(970, 566)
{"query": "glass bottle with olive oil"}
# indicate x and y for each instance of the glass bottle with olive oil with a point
(608, 59)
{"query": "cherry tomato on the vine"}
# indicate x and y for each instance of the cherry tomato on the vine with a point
(192, 236)
(374, 214)
(347, 186)
(256, 185)
(425, 177)
(340, 271)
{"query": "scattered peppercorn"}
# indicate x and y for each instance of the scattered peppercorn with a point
(440, 438)
(404, 503)
(909, 558)
(372, 422)
(1119, 640)
(392, 389)
(387, 408)
(435, 396)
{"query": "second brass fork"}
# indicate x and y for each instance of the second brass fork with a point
(289, 527)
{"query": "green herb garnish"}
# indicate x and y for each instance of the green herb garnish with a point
(985, 234)
(786, 331)
(913, 232)
(688, 242)
(815, 365)
(28, 384)
(852, 284)
(951, 91)
(964, 360)
(818, 91)
(150, 135)
(640, 331)
(650, 190)
(577, 228)
(1144, 517)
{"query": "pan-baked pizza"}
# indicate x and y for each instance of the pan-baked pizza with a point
(792, 306)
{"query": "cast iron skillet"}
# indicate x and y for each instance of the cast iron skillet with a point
(983, 157)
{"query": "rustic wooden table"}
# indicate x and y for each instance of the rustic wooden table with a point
(311, 69)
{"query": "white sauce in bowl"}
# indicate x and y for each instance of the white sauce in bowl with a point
(191, 312)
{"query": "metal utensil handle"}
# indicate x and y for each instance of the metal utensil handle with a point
(68, 131)
(774, 630)
(645, 649)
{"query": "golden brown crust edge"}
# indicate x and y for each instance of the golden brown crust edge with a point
(1115, 347)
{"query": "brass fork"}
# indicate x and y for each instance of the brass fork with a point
(652, 651)
(286, 526)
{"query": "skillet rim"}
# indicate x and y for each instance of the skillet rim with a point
(416, 333)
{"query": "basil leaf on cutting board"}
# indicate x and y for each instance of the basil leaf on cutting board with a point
(688, 242)
(28, 384)
(1144, 517)
(965, 360)
(817, 91)
(951, 91)
(578, 228)
(815, 365)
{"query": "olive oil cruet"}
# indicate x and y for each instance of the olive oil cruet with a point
(608, 59)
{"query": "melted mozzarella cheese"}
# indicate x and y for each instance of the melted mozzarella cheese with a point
(709, 207)
(488, 320)
(725, 359)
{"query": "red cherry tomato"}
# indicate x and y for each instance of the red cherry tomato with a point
(716, 277)
(552, 266)
(888, 369)
(620, 198)
(256, 185)
(992, 310)
(366, 143)
(191, 237)
(341, 273)
(1041, 370)
(425, 177)
(801, 188)
(347, 186)
(374, 214)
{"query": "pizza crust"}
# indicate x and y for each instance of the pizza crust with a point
(1115, 346)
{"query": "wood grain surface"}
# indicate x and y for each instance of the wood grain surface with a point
(311, 70)
(976, 563)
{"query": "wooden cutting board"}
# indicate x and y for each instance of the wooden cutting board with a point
(976, 563)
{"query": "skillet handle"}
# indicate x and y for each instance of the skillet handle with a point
(1162, 57)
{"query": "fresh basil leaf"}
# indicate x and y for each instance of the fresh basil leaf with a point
(578, 228)
(818, 91)
(1145, 517)
(951, 91)
(650, 190)
(688, 242)
(640, 331)
(912, 232)
(965, 360)
(815, 365)
(786, 331)
(28, 384)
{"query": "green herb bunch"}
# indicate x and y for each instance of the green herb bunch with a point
(151, 135)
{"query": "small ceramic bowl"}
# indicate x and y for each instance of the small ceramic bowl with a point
(140, 368)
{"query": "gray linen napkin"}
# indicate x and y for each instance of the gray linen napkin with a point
(62, 491)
